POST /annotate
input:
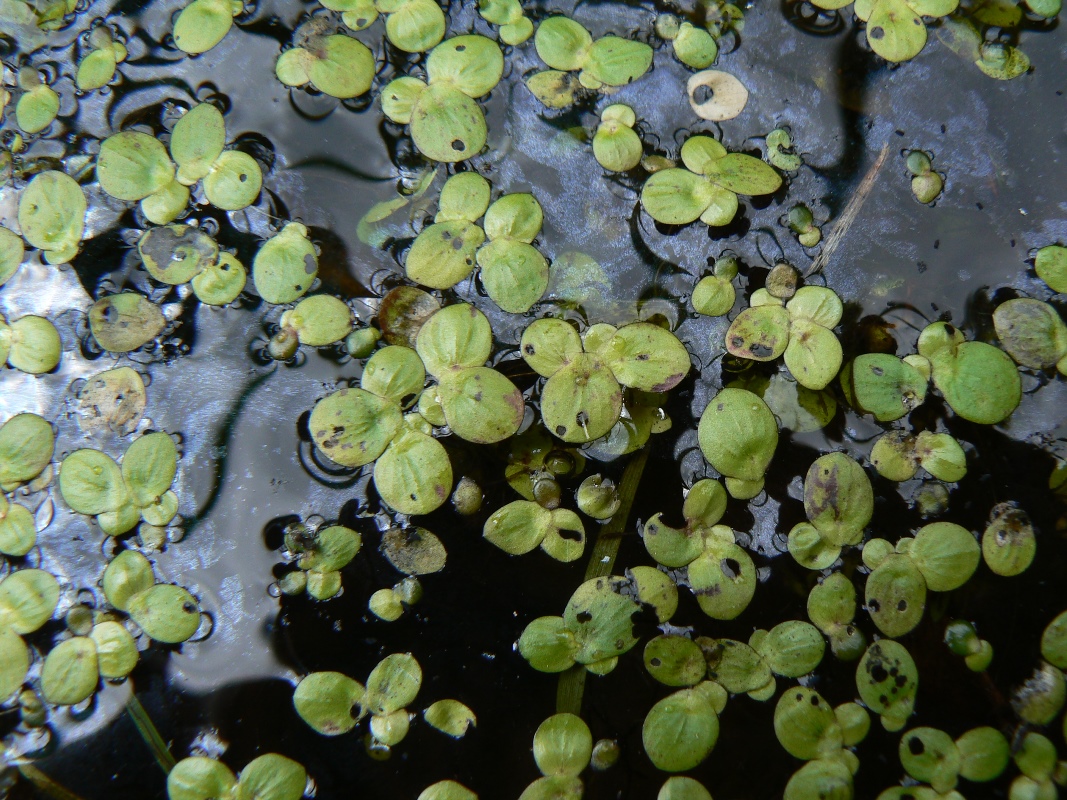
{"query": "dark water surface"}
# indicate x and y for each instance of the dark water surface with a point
(243, 473)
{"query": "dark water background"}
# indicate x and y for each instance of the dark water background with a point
(243, 471)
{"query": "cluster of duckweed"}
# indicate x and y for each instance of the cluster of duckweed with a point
(478, 360)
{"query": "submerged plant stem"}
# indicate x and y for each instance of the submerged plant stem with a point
(149, 733)
(571, 684)
(45, 784)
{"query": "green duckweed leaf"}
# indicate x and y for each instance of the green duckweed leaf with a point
(823, 777)
(548, 645)
(613, 61)
(14, 662)
(51, 215)
(392, 684)
(455, 338)
(895, 31)
(562, 746)
(562, 43)
(416, 25)
(947, 554)
(148, 467)
(929, 755)
(394, 373)
(333, 548)
(805, 725)
(325, 701)
(549, 344)
(984, 753)
(131, 166)
(443, 254)
(735, 666)
(518, 527)
(323, 585)
(885, 386)
(742, 174)
(713, 296)
(675, 661)
(165, 612)
(792, 648)
(175, 254)
(121, 323)
(810, 549)
(336, 65)
(1054, 642)
(598, 497)
(285, 266)
(446, 124)
(196, 141)
(515, 274)
(271, 777)
(723, 578)
(677, 196)
(450, 717)
(780, 151)
(645, 357)
(582, 400)
(116, 650)
(554, 89)
(481, 405)
(832, 602)
(680, 731)
(37, 108)
(813, 354)
(838, 498)
(1001, 61)
(413, 551)
(1050, 263)
(234, 181)
(738, 434)
(35, 345)
(695, 47)
(198, 777)
(816, 304)
(390, 729)
(398, 99)
(414, 475)
(447, 790)
(464, 196)
(554, 788)
(91, 482)
(941, 456)
(1032, 332)
(760, 333)
(128, 574)
(472, 64)
(26, 446)
(896, 595)
(11, 253)
(18, 532)
(979, 381)
(70, 672)
(1036, 759)
(352, 427)
(887, 680)
(167, 204)
(616, 146)
(682, 788)
(28, 599)
(600, 619)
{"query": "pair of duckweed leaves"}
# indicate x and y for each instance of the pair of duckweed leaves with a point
(695, 47)
(72, 670)
(177, 253)
(321, 555)
(978, 381)
(738, 435)
(165, 612)
(513, 271)
(895, 28)
(963, 640)
(136, 167)
(30, 344)
(898, 456)
(446, 123)
(337, 65)
(931, 757)
(390, 604)
(51, 215)
(413, 26)
(315, 321)
(326, 701)
(680, 730)
(811, 730)
(562, 749)
(38, 105)
(839, 502)
(831, 607)
(267, 777)
(708, 186)
(121, 323)
(97, 69)
(941, 557)
(801, 329)
(597, 624)
(522, 525)
(120, 497)
(802, 222)
(926, 184)
(515, 27)
(582, 398)
(616, 145)
(1041, 772)
(28, 598)
(714, 294)
(204, 23)
(1033, 334)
